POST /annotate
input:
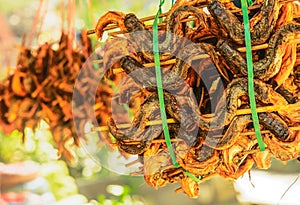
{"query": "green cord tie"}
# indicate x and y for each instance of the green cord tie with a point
(161, 94)
(159, 87)
(249, 2)
(251, 75)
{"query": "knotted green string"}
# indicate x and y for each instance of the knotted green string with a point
(251, 75)
(161, 94)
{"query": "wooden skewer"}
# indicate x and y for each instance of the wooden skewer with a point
(139, 173)
(148, 18)
(178, 171)
(202, 56)
(132, 163)
(267, 131)
(160, 141)
(271, 108)
(123, 126)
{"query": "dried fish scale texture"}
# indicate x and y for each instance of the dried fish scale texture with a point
(175, 30)
(261, 26)
(268, 66)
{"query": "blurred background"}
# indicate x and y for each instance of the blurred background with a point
(50, 180)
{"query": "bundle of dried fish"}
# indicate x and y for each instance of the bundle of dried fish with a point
(206, 87)
(204, 74)
(41, 88)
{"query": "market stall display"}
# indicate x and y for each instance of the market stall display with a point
(210, 125)
(205, 84)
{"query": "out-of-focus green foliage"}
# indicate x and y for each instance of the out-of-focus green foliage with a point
(10, 6)
(61, 183)
(77, 199)
(120, 195)
(38, 147)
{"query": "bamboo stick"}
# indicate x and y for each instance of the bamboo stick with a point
(160, 141)
(271, 108)
(132, 163)
(202, 56)
(148, 18)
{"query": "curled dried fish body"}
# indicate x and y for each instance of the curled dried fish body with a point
(276, 49)
(275, 124)
(44, 56)
(226, 20)
(141, 75)
(233, 57)
(17, 85)
(149, 111)
(261, 29)
(154, 166)
(187, 54)
(173, 21)
(270, 121)
(129, 93)
(291, 97)
(238, 88)
(142, 38)
(270, 65)
(173, 83)
(114, 50)
(262, 25)
(284, 150)
(201, 24)
(109, 18)
(173, 80)
(133, 147)
(231, 135)
(234, 163)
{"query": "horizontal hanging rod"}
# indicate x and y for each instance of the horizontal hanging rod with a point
(271, 108)
(148, 18)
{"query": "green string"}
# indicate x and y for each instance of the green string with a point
(160, 89)
(251, 76)
(193, 177)
(160, 10)
(249, 2)
(161, 95)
